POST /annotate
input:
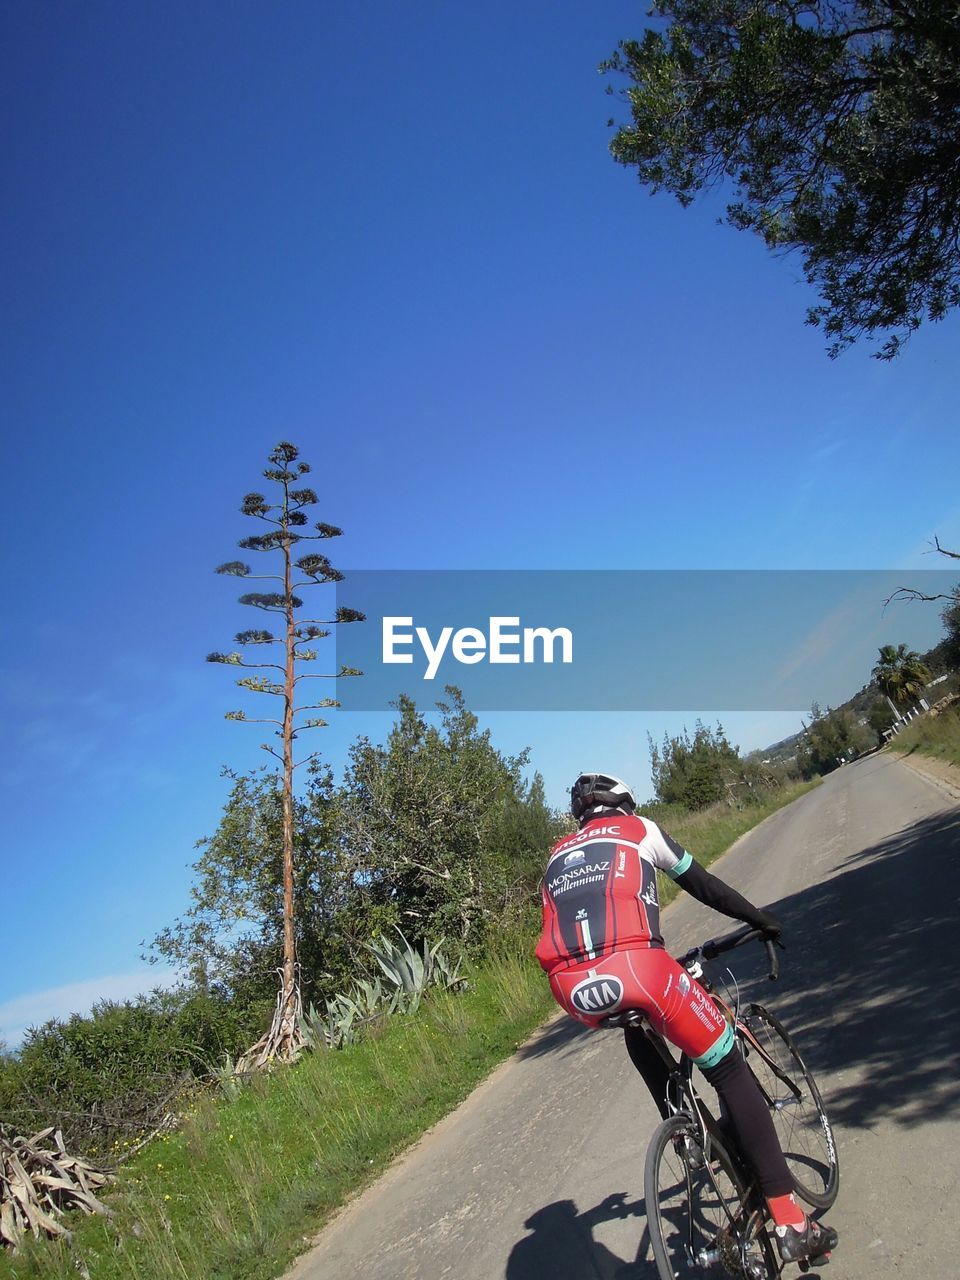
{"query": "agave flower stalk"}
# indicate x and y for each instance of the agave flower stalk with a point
(298, 639)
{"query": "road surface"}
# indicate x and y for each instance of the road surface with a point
(539, 1175)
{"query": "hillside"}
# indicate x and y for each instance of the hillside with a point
(860, 703)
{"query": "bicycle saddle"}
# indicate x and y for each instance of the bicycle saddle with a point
(625, 1018)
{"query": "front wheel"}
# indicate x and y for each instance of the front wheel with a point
(796, 1107)
(698, 1212)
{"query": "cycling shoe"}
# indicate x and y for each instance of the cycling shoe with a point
(813, 1241)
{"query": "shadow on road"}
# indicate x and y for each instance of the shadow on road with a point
(557, 1035)
(870, 981)
(562, 1246)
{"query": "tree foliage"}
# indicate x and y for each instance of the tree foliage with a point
(442, 831)
(107, 1078)
(230, 938)
(832, 737)
(692, 771)
(951, 623)
(900, 673)
(435, 831)
(697, 770)
(836, 122)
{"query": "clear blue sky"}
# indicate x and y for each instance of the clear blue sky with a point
(392, 234)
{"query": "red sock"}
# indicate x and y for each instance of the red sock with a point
(786, 1212)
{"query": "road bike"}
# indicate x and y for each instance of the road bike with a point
(704, 1210)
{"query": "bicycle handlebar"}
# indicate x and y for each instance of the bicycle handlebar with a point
(715, 947)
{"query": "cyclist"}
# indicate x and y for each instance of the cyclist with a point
(602, 949)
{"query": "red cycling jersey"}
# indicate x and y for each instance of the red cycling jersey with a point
(599, 891)
(601, 941)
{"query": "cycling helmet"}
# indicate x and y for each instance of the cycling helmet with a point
(594, 795)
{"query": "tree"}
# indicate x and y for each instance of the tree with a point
(230, 940)
(950, 613)
(832, 737)
(951, 622)
(284, 1039)
(442, 832)
(836, 122)
(900, 673)
(694, 771)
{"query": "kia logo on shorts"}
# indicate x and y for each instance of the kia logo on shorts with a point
(599, 994)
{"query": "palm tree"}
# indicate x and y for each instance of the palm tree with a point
(900, 673)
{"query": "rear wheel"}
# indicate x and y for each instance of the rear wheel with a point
(793, 1098)
(698, 1211)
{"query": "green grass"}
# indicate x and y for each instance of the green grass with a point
(233, 1194)
(932, 736)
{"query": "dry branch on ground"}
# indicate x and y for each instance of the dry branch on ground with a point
(39, 1184)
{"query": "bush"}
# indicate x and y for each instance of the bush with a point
(695, 772)
(107, 1078)
(833, 737)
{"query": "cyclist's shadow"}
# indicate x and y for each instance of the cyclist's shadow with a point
(562, 1246)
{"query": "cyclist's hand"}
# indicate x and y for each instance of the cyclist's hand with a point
(770, 927)
(615, 1205)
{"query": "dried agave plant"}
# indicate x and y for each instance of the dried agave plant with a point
(39, 1184)
(279, 1043)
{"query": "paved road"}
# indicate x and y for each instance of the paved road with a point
(527, 1180)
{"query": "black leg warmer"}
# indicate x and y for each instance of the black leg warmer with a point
(743, 1106)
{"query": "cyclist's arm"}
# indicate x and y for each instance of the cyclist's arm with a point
(716, 893)
(681, 866)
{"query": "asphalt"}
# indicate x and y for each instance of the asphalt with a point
(539, 1174)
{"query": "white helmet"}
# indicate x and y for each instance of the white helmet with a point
(592, 793)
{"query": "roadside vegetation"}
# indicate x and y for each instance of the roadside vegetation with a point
(905, 700)
(234, 1191)
(937, 736)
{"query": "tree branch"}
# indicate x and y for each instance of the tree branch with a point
(912, 593)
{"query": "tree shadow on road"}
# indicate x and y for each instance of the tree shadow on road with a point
(562, 1246)
(870, 980)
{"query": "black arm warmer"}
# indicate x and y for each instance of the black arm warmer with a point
(713, 892)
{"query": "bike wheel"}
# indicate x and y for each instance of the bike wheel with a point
(795, 1104)
(698, 1211)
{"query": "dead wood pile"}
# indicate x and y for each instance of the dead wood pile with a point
(40, 1182)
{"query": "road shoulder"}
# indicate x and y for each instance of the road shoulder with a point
(942, 773)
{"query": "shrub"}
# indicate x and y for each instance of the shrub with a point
(107, 1078)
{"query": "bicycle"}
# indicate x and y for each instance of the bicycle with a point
(704, 1209)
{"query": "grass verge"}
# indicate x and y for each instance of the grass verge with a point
(937, 736)
(238, 1190)
(235, 1191)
